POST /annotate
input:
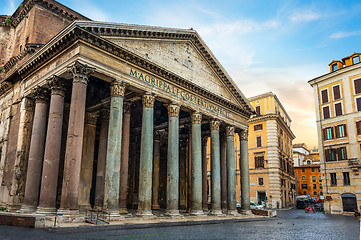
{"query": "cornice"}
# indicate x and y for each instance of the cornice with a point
(74, 33)
(272, 116)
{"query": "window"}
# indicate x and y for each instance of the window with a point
(355, 59)
(338, 109)
(308, 161)
(319, 179)
(327, 133)
(304, 186)
(313, 169)
(259, 161)
(314, 193)
(258, 127)
(333, 179)
(358, 127)
(357, 84)
(260, 181)
(304, 193)
(341, 131)
(346, 178)
(330, 154)
(341, 153)
(324, 96)
(313, 178)
(21, 48)
(303, 170)
(326, 112)
(258, 110)
(320, 185)
(314, 186)
(259, 141)
(358, 104)
(334, 67)
(336, 92)
(303, 178)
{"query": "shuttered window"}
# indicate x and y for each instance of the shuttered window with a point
(259, 141)
(258, 127)
(357, 83)
(324, 96)
(358, 127)
(258, 110)
(330, 154)
(333, 179)
(340, 131)
(358, 104)
(338, 109)
(259, 161)
(328, 133)
(342, 155)
(336, 92)
(326, 112)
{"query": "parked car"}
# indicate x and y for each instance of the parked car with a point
(256, 206)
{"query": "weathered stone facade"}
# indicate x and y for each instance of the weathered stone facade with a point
(124, 105)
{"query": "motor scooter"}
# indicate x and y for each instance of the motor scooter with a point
(310, 209)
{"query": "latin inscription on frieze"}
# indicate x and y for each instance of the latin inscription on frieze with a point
(186, 96)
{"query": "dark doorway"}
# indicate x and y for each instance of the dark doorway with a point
(349, 202)
(261, 197)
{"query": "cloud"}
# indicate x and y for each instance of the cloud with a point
(304, 16)
(339, 35)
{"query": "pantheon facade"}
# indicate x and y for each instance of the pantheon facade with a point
(114, 117)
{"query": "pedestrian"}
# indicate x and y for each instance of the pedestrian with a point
(357, 214)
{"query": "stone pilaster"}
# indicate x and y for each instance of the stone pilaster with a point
(146, 158)
(112, 170)
(49, 182)
(196, 164)
(245, 187)
(173, 161)
(74, 143)
(231, 172)
(102, 157)
(215, 169)
(36, 152)
(124, 160)
(86, 172)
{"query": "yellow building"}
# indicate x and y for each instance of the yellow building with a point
(270, 153)
(338, 115)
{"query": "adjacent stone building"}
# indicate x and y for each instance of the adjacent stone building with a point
(338, 117)
(272, 178)
(113, 116)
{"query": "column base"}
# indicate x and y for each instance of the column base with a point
(98, 208)
(156, 207)
(172, 213)
(14, 207)
(246, 212)
(233, 213)
(217, 213)
(145, 214)
(26, 209)
(123, 211)
(197, 213)
(69, 216)
(85, 206)
(46, 211)
(113, 216)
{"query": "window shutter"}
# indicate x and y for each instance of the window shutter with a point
(326, 112)
(344, 129)
(327, 155)
(332, 133)
(358, 127)
(338, 153)
(324, 96)
(254, 128)
(357, 86)
(258, 110)
(358, 104)
(337, 131)
(324, 133)
(336, 92)
(259, 142)
(345, 151)
(338, 109)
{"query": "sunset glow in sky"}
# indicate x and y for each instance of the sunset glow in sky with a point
(264, 45)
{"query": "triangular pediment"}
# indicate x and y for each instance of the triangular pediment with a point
(180, 58)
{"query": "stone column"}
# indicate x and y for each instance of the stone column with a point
(245, 188)
(74, 143)
(223, 146)
(36, 151)
(49, 182)
(196, 164)
(204, 174)
(124, 160)
(155, 179)
(102, 157)
(173, 161)
(231, 172)
(86, 172)
(112, 169)
(146, 158)
(215, 169)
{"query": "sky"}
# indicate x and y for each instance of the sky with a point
(264, 45)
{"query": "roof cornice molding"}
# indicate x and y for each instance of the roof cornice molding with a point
(272, 116)
(73, 33)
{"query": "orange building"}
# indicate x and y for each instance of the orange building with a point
(309, 180)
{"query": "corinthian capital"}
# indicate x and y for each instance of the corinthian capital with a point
(127, 107)
(173, 110)
(229, 130)
(148, 100)
(117, 89)
(243, 135)
(196, 117)
(40, 94)
(81, 72)
(91, 118)
(215, 124)
(56, 84)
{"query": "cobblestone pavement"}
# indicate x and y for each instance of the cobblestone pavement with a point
(289, 224)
